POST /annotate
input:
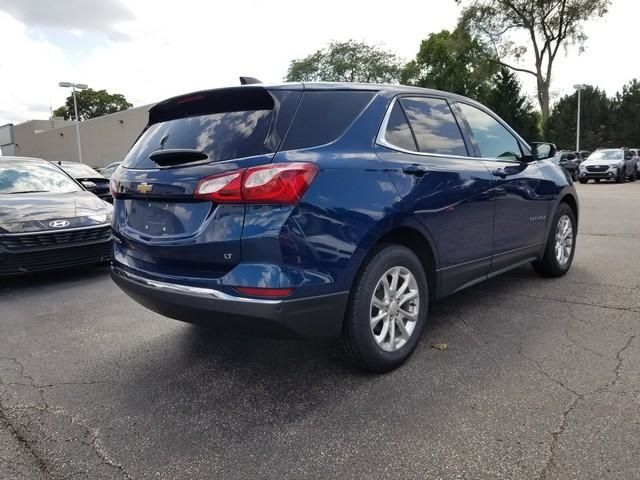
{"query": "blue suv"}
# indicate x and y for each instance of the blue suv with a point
(338, 210)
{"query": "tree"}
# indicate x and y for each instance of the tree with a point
(507, 100)
(348, 61)
(625, 116)
(548, 25)
(92, 103)
(452, 61)
(594, 120)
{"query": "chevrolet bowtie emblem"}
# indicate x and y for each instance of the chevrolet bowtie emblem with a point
(144, 187)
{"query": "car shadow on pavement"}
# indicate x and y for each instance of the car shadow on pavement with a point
(51, 279)
(245, 382)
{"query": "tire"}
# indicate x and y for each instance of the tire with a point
(583, 180)
(550, 265)
(365, 344)
(574, 176)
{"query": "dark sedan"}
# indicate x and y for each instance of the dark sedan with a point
(47, 220)
(92, 180)
(568, 160)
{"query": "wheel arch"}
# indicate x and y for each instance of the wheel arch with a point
(572, 201)
(415, 238)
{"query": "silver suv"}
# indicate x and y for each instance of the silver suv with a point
(617, 164)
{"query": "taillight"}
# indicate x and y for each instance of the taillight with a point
(113, 186)
(282, 183)
(221, 188)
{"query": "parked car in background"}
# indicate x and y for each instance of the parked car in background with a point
(568, 160)
(636, 152)
(583, 155)
(107, 171)
(47, 220)
(93, 181)
(616, 164)
(336, 210)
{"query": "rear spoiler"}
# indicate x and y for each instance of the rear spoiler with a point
(219, 100)
(249, 81)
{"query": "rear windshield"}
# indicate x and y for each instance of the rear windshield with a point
(222, 136)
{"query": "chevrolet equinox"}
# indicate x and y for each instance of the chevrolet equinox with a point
(339, 210)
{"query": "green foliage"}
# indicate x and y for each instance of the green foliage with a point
(451, 61)
(594, 122)
(507, 100)
(455, 62)
(625, 116)
(92, 103)
(547, 24)
(348, 61)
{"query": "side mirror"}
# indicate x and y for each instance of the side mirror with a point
(542, 150)
(88, 185)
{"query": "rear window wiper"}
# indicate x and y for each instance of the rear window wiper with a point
(176, 156)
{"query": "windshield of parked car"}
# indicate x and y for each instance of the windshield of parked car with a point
(606, 155)
(79, 170)
(108, 170)
(34, 177)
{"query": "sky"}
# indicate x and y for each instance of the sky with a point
(150, 50)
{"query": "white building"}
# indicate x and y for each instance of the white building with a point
(104, 139)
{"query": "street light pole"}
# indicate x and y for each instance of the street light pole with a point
(79, 86)
(579, 88)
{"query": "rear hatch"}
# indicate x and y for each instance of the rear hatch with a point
(159, 223)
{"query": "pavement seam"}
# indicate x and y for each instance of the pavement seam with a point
(93, 433)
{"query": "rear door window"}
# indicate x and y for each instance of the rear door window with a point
(398, 132)
(323, 116)
(434, 126)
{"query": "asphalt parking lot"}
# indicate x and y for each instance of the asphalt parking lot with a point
(541, 379)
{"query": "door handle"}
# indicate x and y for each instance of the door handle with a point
(417, 170)
(499, 172)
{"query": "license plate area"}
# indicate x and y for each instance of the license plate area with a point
(155, 218)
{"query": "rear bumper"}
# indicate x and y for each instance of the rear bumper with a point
(319, 316)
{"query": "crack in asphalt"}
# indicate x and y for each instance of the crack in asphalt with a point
(555, 436)
(547, 374)
(560, 300)
(609, 234)
(61, 384)
(93, 433)
(23, 442)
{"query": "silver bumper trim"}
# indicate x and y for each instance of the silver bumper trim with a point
(209, 293)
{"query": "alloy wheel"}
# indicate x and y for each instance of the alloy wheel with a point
(564, 240)
(394, 310)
